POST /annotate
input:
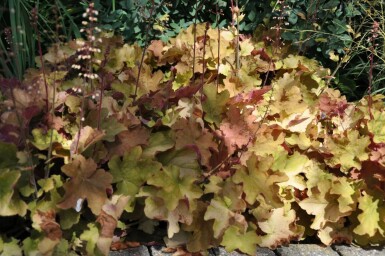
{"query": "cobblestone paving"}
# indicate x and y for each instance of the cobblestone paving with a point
(292, 250)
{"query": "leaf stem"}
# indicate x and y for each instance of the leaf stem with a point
(35, 12)
(219, 42)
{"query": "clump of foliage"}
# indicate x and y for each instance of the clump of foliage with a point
(228, 146)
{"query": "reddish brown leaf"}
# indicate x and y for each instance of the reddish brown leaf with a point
(88, 136)
(127, 140)
(156, 47)
(331, 103)
(189, 133)
(48, 224)
(86, 182)
(234, 131)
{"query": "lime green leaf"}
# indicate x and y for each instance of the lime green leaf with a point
(73, 103)
(30, 246)
(376, 126)
(235, 239)
(159, 142)
(10, 203)
(220, 211)
(370, 217)
(63, 248)
(8, 157)
(186, 159)
(257, 179)
(42, 140)
(181, 79)
(348, 151)
(48, 184)
(214, 104)
(11, 248)
(298, 122)
(287, 96)
(68, 218)
(293, 166)
(123, 88)
(346, 191)
(301, 140)
(293, 61)
(91, 237)
(109, 125)
(246, 47)
(131, 172)
(174, 187)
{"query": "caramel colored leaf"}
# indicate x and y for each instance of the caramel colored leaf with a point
(108, 220)
(45, 222)
(86, 182)
(155, 208)
(287, 96)
(189, 133)
(280, 228)
(323, 205)
(126, 140)
(235, 131)
(88, 136)
(203, 234)
(335, 233)
(220, 211)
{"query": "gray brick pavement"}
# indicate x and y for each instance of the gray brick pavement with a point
(306, 250)
(357, 251)
(291, 250)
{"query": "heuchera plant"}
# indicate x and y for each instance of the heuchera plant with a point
(256, 156)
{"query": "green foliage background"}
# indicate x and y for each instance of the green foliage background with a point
(321, 29)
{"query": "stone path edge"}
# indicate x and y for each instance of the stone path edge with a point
(291, 250)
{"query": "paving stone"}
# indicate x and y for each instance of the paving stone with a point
(138, 251)
(264, 252)
(306, 250)
(345, 250)
(259, 252)
(157, 251)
